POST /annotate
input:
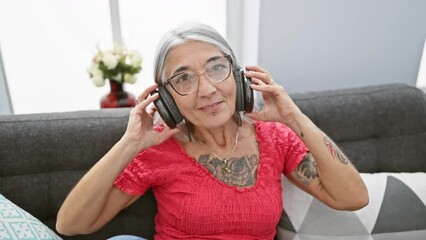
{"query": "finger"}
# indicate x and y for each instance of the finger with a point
(268, 79)
(256, 69)
(258, 82)
(167, 133)
(260, 85)
(148, 100)
(147, 92)
(264, 76)
(140, 108)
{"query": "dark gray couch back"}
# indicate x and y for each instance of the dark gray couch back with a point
(42, 156)
(380, 128)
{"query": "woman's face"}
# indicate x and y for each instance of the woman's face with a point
(210, 105)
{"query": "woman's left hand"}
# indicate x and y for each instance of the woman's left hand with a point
(278, 106)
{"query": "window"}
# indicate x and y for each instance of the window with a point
(421, 77)
(47, 45)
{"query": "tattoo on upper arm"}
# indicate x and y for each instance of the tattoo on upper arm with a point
(307, 170)
(334, 150)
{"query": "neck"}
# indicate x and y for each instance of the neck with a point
(221, 137)
(221, 157)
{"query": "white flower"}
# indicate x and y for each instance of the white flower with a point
(98, 78)
(98, 57)
(117, 77)
(134, 58)
(110, 60)
(116, 64)
(130, 78)
(92, 68)
(118, 49)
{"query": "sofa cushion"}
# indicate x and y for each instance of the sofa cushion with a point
(16, 223)
(396, 210)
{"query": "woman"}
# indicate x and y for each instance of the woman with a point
(215, 175)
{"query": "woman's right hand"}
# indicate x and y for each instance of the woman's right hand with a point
(94, 201)
(140, 131)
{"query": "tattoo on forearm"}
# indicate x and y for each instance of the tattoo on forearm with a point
(307, 170)
(334, 150)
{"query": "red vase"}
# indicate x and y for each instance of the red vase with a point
(117, 97)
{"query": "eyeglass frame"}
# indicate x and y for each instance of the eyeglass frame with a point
(227, 57)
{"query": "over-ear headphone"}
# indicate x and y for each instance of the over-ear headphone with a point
(171, 115)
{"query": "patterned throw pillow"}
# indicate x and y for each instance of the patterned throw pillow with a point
(396, 210)
(16, 223)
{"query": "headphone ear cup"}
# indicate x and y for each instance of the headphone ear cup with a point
(167, 108)
(245, 95)
(238, 75)
(248, 95)
(164, 113)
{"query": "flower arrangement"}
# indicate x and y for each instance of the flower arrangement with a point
(117, 64)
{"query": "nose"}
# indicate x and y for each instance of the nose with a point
(205, 85)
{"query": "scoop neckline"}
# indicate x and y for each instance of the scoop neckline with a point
(217, 180)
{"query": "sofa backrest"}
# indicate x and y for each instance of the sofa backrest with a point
(380, 128)
(43, 156)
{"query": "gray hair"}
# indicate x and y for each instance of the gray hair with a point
(185, 33)
(188, 32)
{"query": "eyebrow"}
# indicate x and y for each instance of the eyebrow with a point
(184, 68)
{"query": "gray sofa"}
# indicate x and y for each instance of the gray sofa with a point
(42, 156)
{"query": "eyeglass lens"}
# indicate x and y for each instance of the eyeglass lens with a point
(187, 81)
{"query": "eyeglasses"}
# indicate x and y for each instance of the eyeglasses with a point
(216, 71)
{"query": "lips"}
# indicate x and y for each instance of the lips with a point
(214, 107)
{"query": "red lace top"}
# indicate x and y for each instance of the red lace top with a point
(193, 204)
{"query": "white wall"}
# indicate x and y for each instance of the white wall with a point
(331, 44)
